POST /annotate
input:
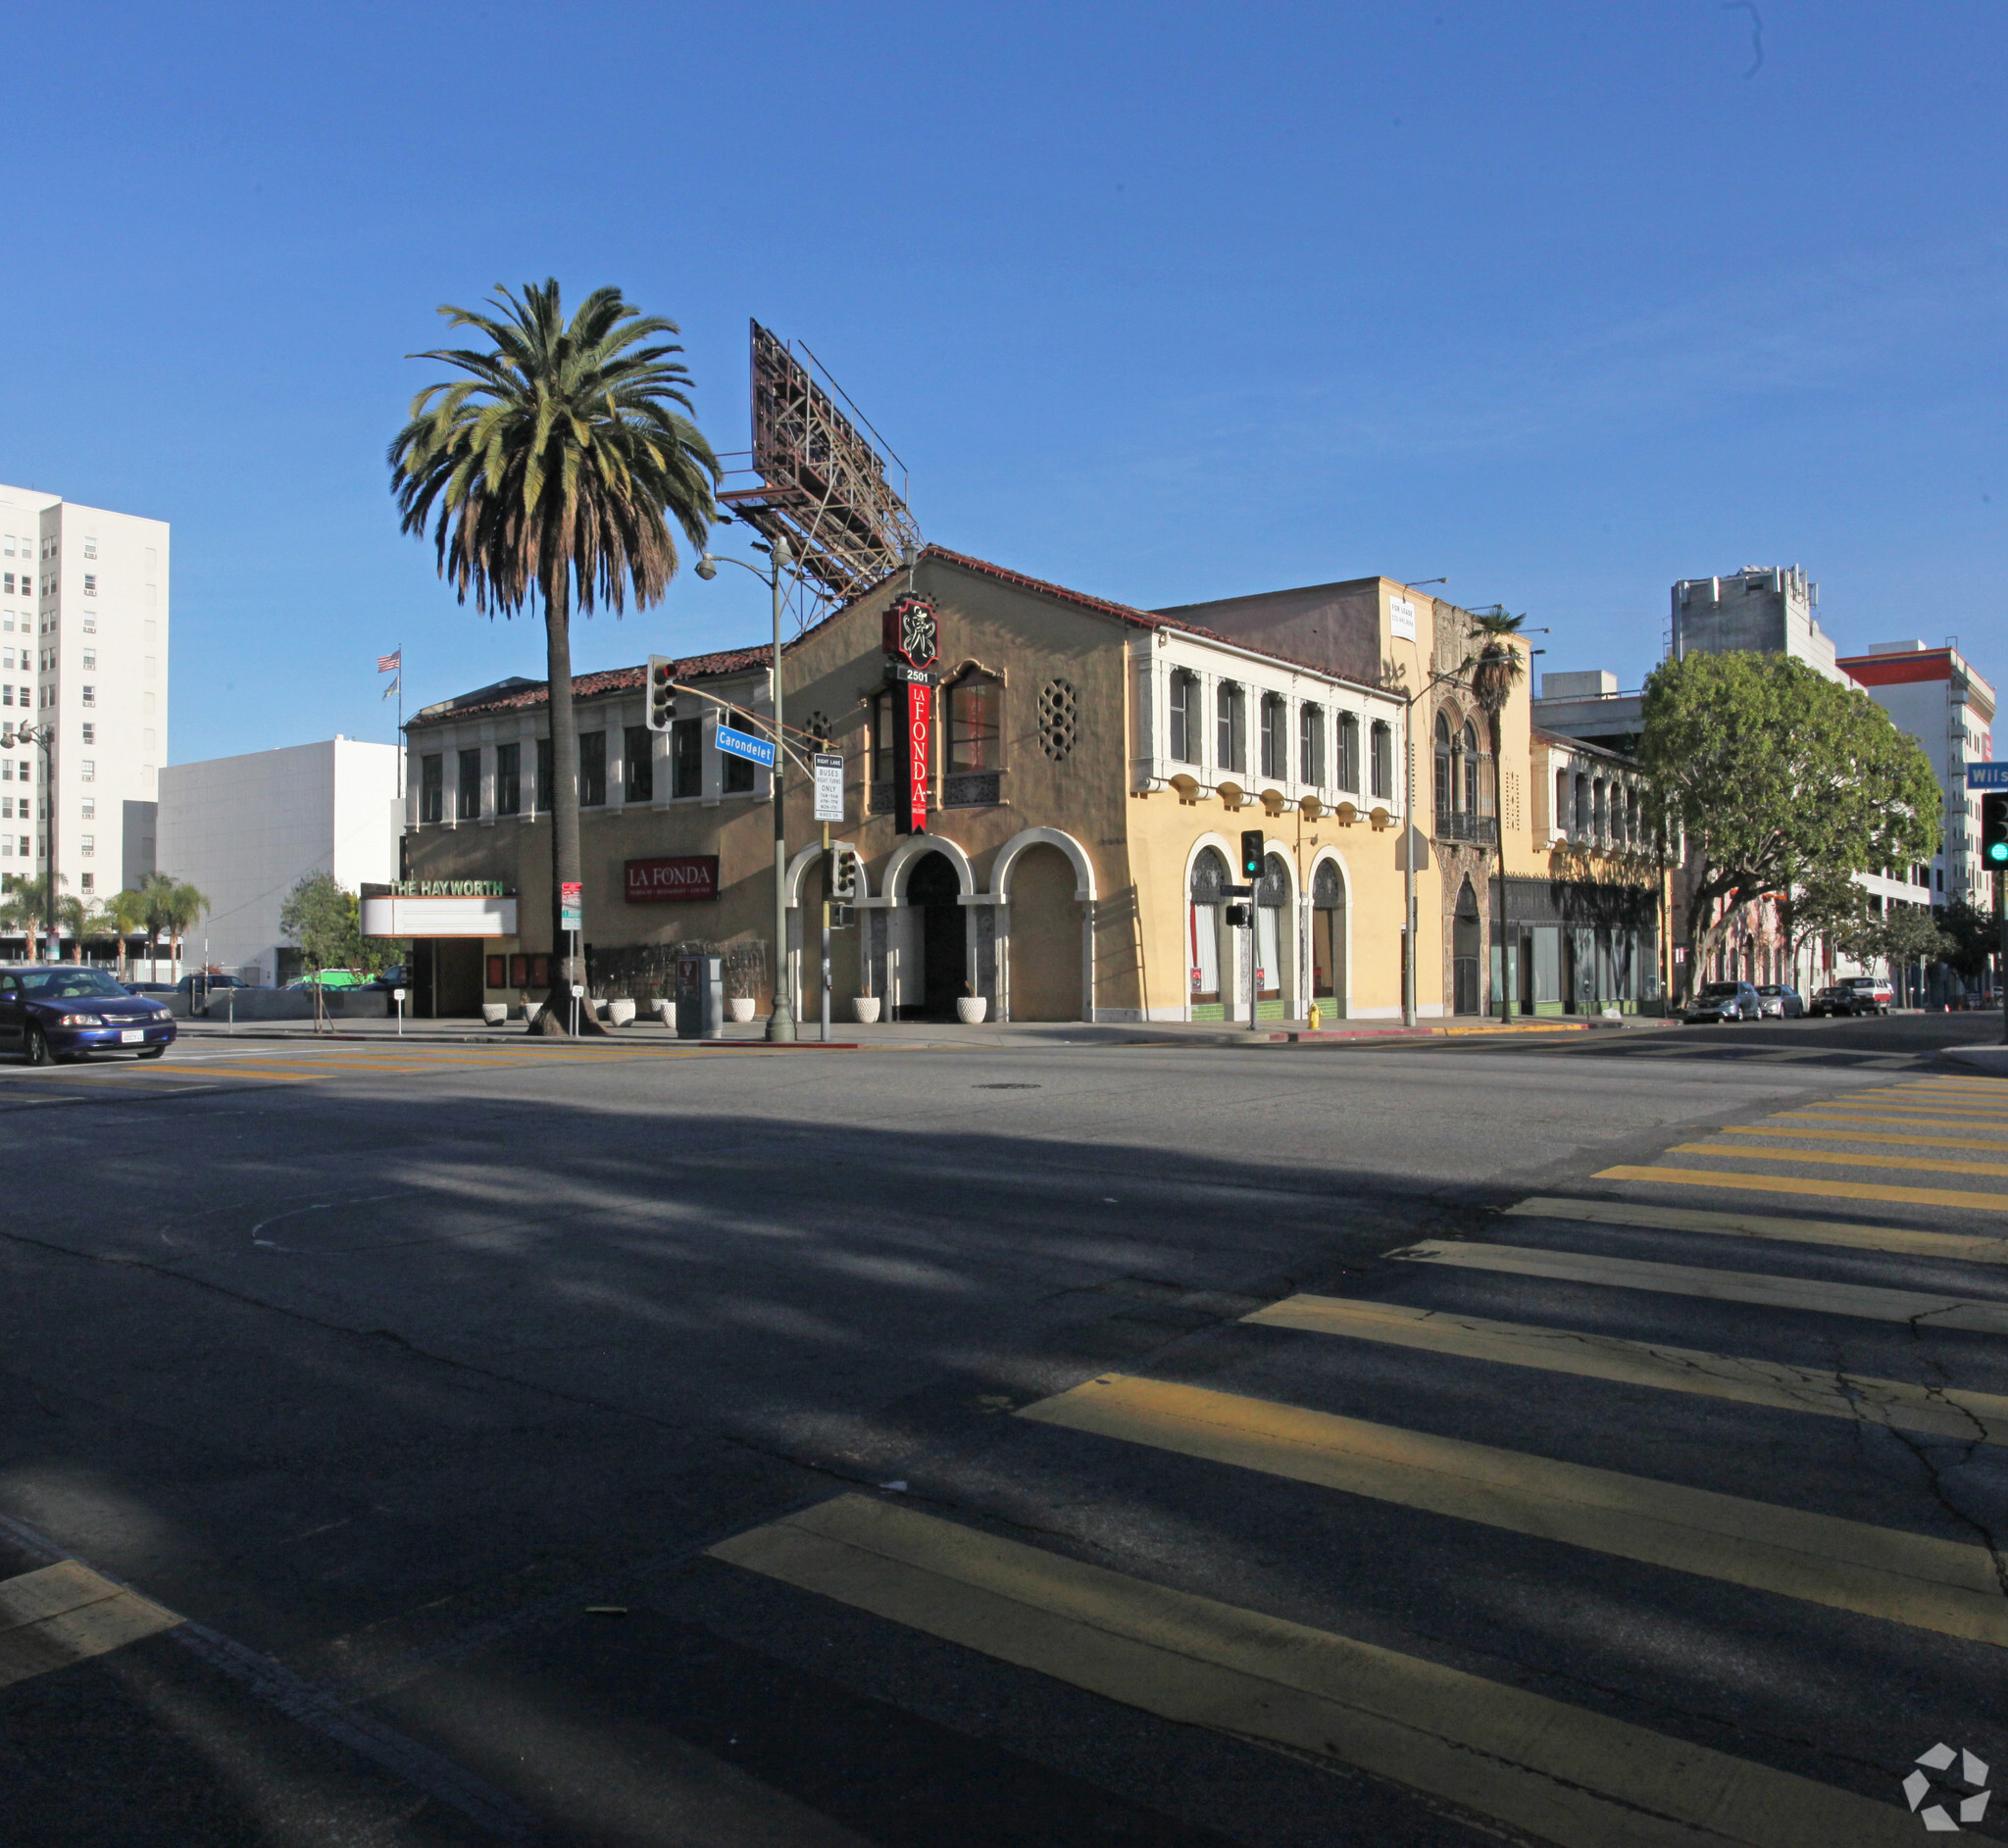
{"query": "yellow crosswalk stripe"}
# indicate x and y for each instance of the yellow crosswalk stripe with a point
(1924, 1119)
(1809, 1186)
(1929, 1164)
(1944, 1585)
(1559, 1773)
(1964, 1248)
(65, 1613)
(1775, 1384)
(1863, 1301)
(1909, 1142)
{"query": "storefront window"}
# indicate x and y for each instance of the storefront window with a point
(1271, 896)
(1203, 927)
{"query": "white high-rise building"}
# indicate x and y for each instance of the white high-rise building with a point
(84, 648)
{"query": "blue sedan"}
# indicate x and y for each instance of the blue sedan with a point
(60, 1011)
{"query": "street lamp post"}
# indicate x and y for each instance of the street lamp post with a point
(781, 1024)
(43, 735)
(1408, 842)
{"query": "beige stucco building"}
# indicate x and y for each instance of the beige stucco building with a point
(1089, 771)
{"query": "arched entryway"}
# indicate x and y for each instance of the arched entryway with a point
(939, 932)
(1274, 942)
(1327, 939)
(1465, 942)
(1044, 923)
(1205, 898)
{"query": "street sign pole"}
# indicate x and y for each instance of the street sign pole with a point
(825, 932)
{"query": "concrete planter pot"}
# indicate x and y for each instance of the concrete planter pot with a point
(620, 1012)
(866, 1007)
(740, 1007)
(531, 1011)
(494, 1013)
(970, 1009)
(665, 1012)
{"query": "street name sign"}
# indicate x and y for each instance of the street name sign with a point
(1986, 775)
(745, 744)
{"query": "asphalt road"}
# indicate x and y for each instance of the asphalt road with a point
(1589, 1439)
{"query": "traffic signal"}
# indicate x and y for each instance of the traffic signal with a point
(1240, 917)
(662, 692)
(843, 872)
(1251, 855)
(1995, 830)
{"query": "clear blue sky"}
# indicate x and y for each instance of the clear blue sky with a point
(1561, 300)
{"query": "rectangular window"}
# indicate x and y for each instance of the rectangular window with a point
(1232, 745)
(87, 845)
(90, 623)
(973, 722)
(1348, 751)
(686, 757)
(90, 808)
(1275, 737)
(466, 787)
(90, 546)
(885, 724)
(90, 659)
(508, 781)
(90, 583)
(738, 777)
(90, 694)
(1311, 746)
(86, 769)
(592, 769)
(1185, 728)
(1383, 761)
(639, 760)
(432, 788)
(545, 778)
(90, 733)
(91, 881)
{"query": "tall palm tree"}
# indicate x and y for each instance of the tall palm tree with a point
(555, 466)
(125, 916)
(184, 908)
(1499, 668)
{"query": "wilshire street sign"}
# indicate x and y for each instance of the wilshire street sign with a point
(1986, 775)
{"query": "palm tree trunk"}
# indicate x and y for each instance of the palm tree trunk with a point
(1493, 728)
(564, 797)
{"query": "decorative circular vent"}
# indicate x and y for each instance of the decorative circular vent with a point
(1056, 718)
(819, 727)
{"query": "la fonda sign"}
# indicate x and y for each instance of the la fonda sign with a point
(672, 880)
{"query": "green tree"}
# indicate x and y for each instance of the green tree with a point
(124, 915)
(1776, 775)
(554, 468)
(24, 905)
(170, 907)
(326, 919)
(1972, 937)
(1829, 905)
(1499, 667)
(1910, 933)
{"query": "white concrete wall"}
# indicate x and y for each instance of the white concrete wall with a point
(245, 829)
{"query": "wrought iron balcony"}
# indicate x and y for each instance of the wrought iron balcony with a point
(1461, 825)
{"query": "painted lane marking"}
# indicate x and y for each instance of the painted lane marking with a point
(1944, 1586)
(1863, 1301)
(65, 1613)
(1961, 1248)
(1951, 1118)
(1910, 1141)
(1937, 1411)
(1807, 1187)
(1563, 1774)
(1922, 1164)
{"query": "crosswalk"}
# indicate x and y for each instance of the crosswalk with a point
(1603, 1282)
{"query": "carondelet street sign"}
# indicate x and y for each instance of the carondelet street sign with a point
(745, 744)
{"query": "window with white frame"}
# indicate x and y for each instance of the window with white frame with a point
(1183, 740)
(90, 808)
(1230, 705)
(90, 733)
(1382, 761)
(86, 845)
(1310, 745)
(1348, 751)
(1276, 737)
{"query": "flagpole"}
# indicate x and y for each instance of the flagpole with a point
(400, 727)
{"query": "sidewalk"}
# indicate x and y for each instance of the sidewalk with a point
(908, 1035)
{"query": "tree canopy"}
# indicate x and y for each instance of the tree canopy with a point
(326, 919)
(1777, 777)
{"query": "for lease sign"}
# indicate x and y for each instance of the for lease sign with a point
(671, 879)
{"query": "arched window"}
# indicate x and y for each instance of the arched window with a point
(1349, 752)
(974, 704)
(1272, 895)
(1383, 764)
(1328, 932)
(1468, 741)
(1466, 943)
(1203, 927)
(1446, 768)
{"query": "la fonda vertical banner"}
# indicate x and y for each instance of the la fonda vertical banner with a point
(913, 640)
(920, 703)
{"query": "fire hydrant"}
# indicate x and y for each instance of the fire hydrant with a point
(1317, 1018)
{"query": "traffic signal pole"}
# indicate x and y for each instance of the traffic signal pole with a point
(1994, 856)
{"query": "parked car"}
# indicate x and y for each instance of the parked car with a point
(328, 978)
(148, 987)
(1874, 990)
(1838, 1000)
(1722, 1001)
(1781, 1001)
(50, 1011)
(207, 984)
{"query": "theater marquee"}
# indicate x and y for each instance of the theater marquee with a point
(672, 880)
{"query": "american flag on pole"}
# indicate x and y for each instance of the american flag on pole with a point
(389, 663)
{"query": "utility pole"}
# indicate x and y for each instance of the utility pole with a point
(1408, 839)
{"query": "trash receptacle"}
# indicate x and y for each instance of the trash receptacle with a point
(700, 997)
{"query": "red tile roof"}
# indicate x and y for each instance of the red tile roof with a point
(520, 695)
